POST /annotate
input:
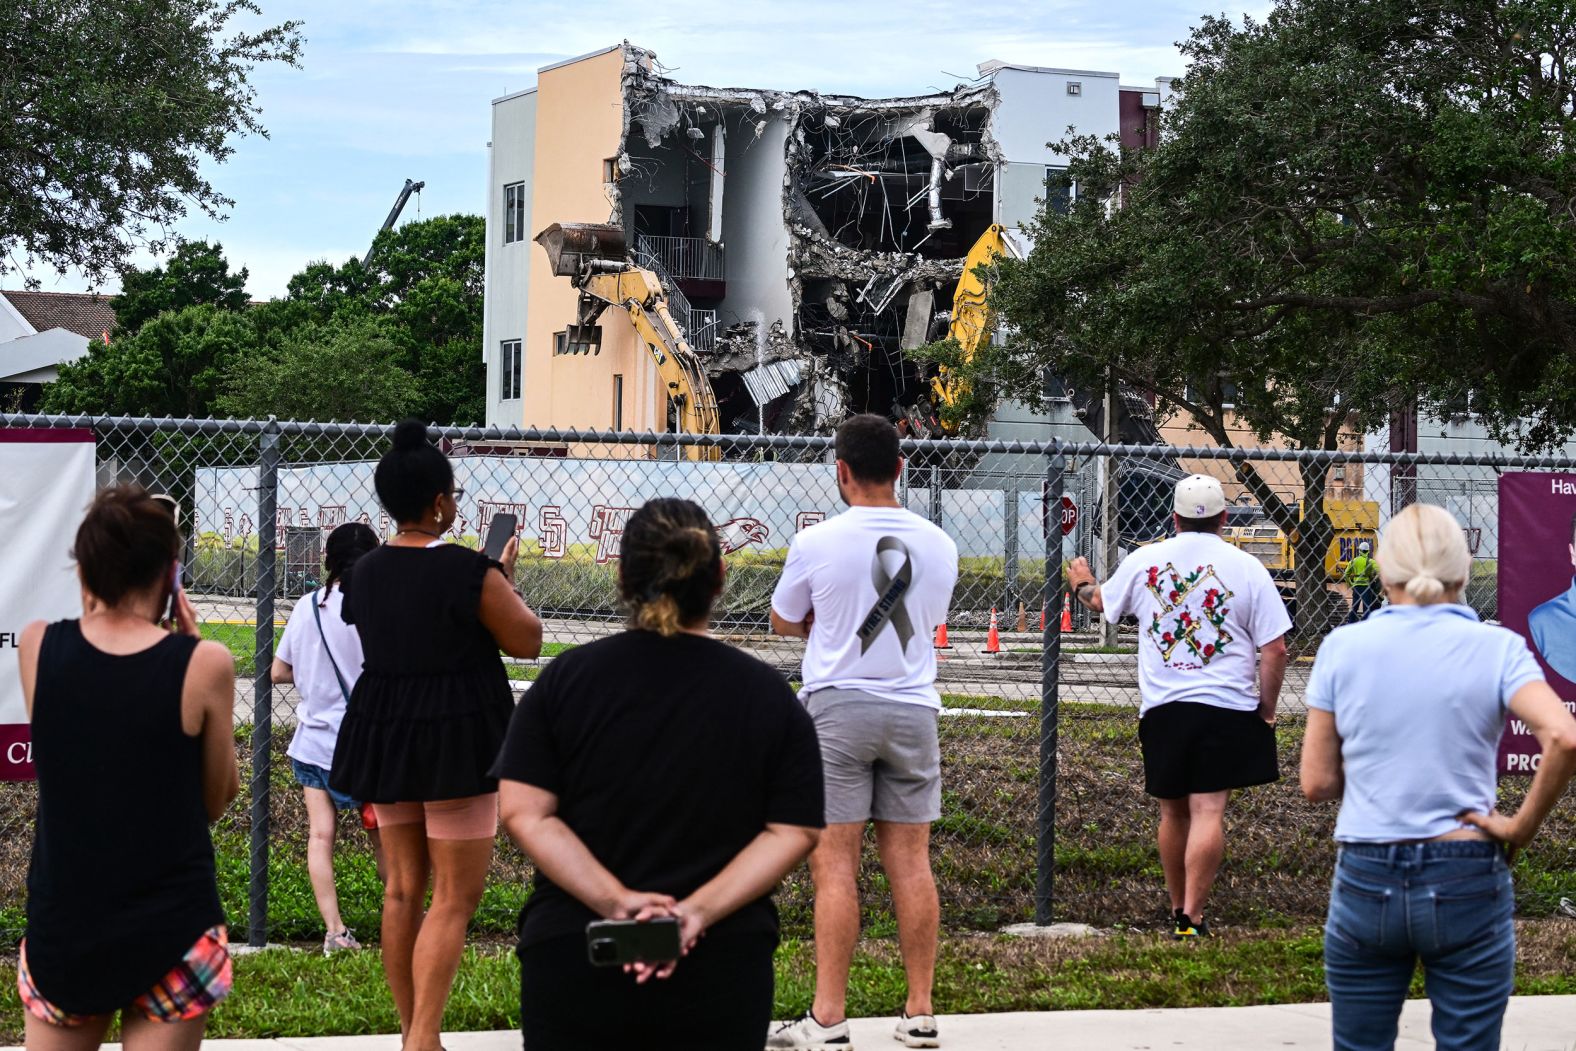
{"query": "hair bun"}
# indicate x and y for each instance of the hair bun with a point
(1425, 589)
(410, 434)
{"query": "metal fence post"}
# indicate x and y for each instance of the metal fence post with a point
(935, 494)
(1010, 549)
(262, 685)
(1050, 696)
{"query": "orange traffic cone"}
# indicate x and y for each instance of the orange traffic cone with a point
(993, 640)
(1067, 618)
(1042, 618)
(1023, 617)
(941, 637)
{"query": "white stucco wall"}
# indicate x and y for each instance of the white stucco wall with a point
(12, 324)
(753, 232)
(511, 159)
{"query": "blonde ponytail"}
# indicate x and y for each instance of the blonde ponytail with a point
(1424, 551)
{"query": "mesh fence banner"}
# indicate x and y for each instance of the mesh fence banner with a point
(1043, 804)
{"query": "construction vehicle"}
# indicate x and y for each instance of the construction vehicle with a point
(393, 217)
(972, 319)
(594, 257)
(1351, 522)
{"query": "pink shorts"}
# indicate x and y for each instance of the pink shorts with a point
(190, 990)
(470, 817)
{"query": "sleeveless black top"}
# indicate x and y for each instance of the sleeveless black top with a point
(122, 879)
(430, 710)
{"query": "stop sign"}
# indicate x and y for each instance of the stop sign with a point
(1069, 515)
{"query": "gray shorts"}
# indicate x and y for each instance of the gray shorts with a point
(880, 759)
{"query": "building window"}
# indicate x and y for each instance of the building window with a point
(560, 343)
(509, 367)
(1060, 192)
(1075, 87)
(618, 401)
(513, 213)
(610, 170)
(1199, 396)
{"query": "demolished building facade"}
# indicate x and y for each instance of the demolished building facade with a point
(807, 242)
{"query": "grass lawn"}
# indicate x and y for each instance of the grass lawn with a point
(292, 994)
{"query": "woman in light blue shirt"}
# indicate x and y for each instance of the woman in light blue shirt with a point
(1405, 715)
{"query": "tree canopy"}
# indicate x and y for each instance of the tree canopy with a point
(174, 365)
(416, 316)
(196, 273)
(341, 370)
(112, 110)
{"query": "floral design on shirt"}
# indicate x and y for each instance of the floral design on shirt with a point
(1192, 614)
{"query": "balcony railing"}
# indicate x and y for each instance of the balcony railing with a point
(690, 258)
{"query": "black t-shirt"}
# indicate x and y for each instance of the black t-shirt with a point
(668, 756)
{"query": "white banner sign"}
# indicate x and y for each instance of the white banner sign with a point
(46, 484)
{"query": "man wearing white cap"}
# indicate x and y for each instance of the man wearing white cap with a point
(1207, 713)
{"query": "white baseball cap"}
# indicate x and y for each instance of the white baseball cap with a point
(1199, 496)
(1364, 546)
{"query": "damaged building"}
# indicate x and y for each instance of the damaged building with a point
(805, 242)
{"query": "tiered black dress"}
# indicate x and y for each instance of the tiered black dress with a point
(429, 712)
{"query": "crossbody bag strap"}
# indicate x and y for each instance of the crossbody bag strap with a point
(317, 615)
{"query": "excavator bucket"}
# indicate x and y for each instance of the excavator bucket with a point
(570, 246)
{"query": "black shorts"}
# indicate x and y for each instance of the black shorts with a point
(1191, 748)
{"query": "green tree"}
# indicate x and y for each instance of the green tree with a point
(349, 370)
(111, 112)
(197, 272)
(174, 365)
(425, 284)
(1355, 204)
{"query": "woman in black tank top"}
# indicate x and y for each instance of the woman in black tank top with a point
(134, 748)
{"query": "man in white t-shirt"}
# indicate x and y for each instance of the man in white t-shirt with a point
(1205, 610)
(867, 590)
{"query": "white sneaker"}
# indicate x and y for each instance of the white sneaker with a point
(918, 1031)
(806, 1034)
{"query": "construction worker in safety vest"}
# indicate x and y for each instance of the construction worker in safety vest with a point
(1362, 573)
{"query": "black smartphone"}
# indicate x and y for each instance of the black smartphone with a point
(499, 531)
(175, 592)
(613, 943)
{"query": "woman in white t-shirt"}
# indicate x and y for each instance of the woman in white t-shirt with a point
(321, 654)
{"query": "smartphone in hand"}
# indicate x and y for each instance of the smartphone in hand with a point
(499, 531)
(172, 612)
(613, 943)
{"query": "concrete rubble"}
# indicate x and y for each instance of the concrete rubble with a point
(879, 202)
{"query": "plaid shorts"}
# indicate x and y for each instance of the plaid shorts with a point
(190, 990)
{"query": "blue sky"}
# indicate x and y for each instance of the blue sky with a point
(396, 89)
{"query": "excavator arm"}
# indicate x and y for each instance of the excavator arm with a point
(972, 318)
(639, 294)
(593, 257)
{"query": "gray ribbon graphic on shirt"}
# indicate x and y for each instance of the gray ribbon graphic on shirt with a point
(889, 605)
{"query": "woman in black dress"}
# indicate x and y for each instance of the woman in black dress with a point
(658, 773)
(425, 721)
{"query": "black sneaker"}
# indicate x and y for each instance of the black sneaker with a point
(1188, 929)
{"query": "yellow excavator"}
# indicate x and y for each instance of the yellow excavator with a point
(592, 256)
(972, 318)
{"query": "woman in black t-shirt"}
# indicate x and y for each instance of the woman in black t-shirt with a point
(426, 718)
(658, 773)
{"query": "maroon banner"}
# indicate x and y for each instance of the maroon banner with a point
(16, 753)
(1537, 593)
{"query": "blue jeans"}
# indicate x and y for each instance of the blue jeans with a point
(1447, 904)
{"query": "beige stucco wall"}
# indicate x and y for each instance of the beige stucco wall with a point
(579, 123)
(1346, 481)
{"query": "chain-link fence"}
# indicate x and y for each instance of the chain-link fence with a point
(1043, 807)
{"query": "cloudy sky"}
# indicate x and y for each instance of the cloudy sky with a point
(397, 89)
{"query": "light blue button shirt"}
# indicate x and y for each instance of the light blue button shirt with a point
(1419, 695)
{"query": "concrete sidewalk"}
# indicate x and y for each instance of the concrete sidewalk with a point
(1534, 1023)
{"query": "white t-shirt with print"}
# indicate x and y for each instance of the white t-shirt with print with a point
(322, 706)
(1204, 608)
(879, 580)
